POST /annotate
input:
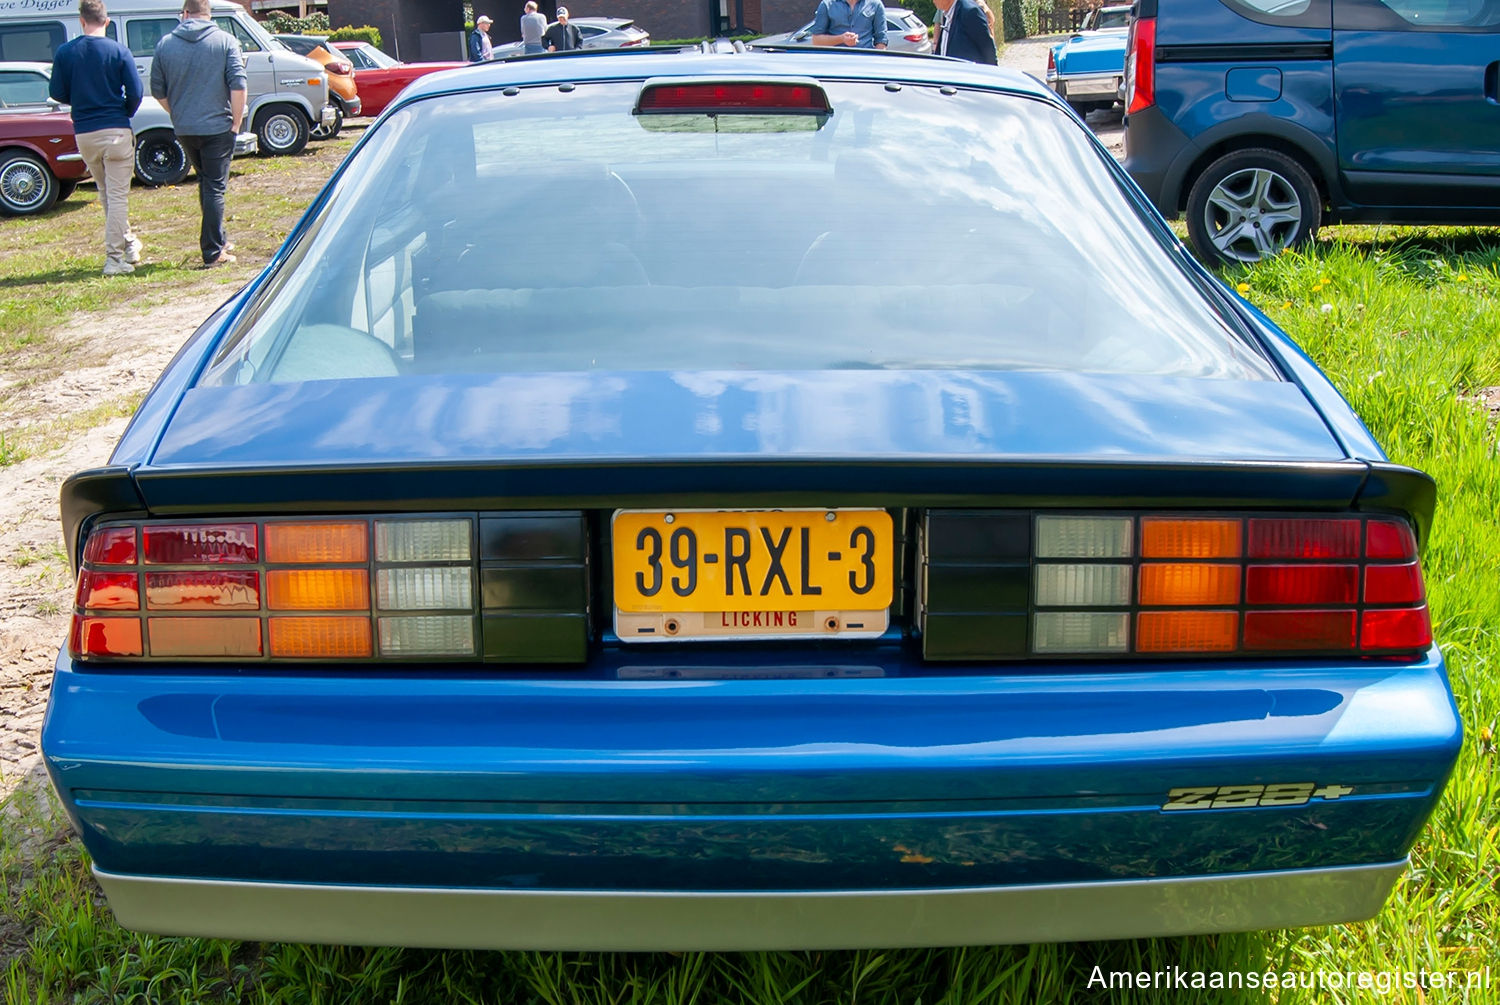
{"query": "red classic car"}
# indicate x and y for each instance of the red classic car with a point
(39, 160)
(380, 78)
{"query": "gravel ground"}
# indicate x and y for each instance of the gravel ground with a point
(1029, 55)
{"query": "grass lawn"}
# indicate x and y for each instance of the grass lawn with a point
(1406, 323)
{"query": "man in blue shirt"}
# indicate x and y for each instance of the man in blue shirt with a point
(97, 77)
(850, 22)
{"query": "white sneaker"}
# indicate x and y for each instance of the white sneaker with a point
(133, 250)
(118, 268)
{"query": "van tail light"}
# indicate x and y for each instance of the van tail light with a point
(1025, 585)
(438, 587)
(1140, 66)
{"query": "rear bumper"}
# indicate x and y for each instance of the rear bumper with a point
(675, 920)
(1157, 154)
(737, 794)
(1088, 87)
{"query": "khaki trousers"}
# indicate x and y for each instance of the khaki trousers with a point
(110, 155)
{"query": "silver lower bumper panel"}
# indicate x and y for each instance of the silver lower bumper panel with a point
(462, 918)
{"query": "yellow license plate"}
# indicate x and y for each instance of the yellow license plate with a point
(752, 573)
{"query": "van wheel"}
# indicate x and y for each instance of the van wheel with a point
(1252, 204)
(26, 186)
(159, 158)
(281, 130)
(319, 133)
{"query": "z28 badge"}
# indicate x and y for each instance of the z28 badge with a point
(1238, 797)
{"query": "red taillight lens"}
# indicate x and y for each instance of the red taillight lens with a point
(1314, 538)
(1051, 60)
(108, 591)
(201, 544)
(1399, 629)
(1283, 585)
(915, 37)
(105, 636)
(1389, 539)
(1140, 66)
(111, 546)
(339, 66)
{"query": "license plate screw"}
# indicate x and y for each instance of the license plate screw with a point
(669, 518)
(671, 627)
(830, 516)
(831, 623)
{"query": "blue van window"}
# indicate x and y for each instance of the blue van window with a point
(1480, 16)
(1285, 13)
(1276, 8)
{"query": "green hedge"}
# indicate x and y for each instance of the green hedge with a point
(1012, 20)
(924, 9)
(279, 22)
(1031, 12)
(364, 33)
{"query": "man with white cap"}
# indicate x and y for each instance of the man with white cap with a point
(562, 36)
(480, 49)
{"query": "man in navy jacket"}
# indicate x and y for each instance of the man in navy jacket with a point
(480, 50)
(965, 32)
(97, 77)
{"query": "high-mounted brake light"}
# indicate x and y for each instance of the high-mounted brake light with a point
(1140, 66)
(798, 97)
(1068, 584)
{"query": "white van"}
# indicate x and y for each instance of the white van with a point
(287, 93)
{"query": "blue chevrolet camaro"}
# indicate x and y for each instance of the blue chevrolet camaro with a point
(543, 552)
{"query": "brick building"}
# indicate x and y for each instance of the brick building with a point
(403, 23)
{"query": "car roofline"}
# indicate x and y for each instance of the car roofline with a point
(731, 59)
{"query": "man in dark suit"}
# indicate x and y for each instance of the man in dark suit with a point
(965, 32)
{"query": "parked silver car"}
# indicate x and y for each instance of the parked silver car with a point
(159, 158)
(597, 33)
(905, 30)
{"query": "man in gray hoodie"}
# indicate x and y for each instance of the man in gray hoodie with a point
(198, 75)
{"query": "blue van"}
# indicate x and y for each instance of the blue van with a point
(1263, 119)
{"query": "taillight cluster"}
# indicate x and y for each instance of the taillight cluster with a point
(1140, 65)
(1125, 584)
(390, 588)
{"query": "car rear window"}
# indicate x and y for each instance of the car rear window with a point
(551, 229)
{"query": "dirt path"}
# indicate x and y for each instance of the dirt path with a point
(117, 356)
